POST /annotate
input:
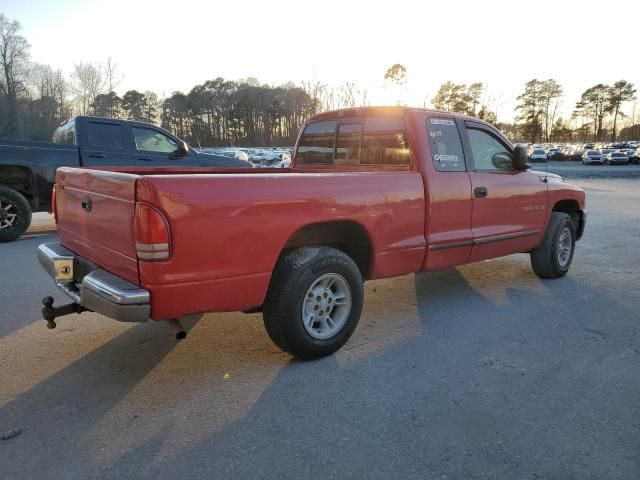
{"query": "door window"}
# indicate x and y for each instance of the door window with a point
(150, 140)
(488, 152)
(105, 135)
(446, 147)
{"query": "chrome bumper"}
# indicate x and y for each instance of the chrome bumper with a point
(99, 290)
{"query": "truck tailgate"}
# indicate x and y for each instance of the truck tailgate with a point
(96, 213)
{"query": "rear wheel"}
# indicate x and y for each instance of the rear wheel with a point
(15, 214)
(553, 256)
(314, 302)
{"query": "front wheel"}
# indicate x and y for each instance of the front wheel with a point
(552, 258)
(15, 214)
(314, 302)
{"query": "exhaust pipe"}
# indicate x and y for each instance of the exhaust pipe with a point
(176, 326)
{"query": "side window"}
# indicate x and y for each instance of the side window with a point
(70, 134)
(105, 135)
(65, 134)
(316, 143)
(384, 142)
(446, 147)
(348, 144)
(150, 140)
(488, 152)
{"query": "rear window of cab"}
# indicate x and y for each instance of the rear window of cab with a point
(370, 141)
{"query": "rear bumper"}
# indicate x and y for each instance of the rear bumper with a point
(98, 290)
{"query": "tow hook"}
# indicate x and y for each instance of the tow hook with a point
(49, 312)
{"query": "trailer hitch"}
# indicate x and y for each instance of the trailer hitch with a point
(49, 312)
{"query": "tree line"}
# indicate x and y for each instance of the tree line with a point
(35, 99)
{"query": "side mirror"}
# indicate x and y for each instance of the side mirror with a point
(502, 161)
(520, 158)
(181, 151)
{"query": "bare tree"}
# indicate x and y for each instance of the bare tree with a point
(363, 94)
(316, 90)
(14, 62)
(113, 78)
(88, 82)
(347, 95)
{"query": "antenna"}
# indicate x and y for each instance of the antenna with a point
(546, 170)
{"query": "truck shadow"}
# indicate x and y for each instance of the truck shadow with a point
(491, 367)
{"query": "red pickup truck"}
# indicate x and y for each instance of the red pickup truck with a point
(372, 193)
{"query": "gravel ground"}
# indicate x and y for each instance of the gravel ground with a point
(482, 372)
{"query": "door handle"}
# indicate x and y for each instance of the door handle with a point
(480, 192)
(96, 155)
(146, 159)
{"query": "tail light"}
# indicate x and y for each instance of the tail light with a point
(54, 208)
(152, 234)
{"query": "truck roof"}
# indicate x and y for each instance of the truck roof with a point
(106, 119)
(382, 110)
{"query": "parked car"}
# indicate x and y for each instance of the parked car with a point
(538, 155)
(616, 158)
(635, 156)
(606, 151)
(373, 193)
(553, 152)
(629, 152)
(592, 156)
(27, 169)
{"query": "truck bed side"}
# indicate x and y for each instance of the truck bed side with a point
(229, 230)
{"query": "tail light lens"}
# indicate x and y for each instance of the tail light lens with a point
(54, 207)
(152, 234)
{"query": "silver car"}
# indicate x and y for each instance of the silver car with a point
(538, 155)
(592, 156)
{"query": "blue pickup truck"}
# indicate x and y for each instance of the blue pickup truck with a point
(27, 169)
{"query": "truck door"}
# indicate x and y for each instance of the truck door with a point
(153, 147)
(447, 193)
(509, 206)
(104, 143)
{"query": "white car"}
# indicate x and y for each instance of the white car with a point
(538, 155)
(592, 156)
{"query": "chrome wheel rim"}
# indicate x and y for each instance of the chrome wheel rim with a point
(564, 247)
(8, 214)
(326, 306)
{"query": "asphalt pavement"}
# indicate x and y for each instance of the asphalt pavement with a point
(479, 372)
(576, 170)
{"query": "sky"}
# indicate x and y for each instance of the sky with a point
(167, 46)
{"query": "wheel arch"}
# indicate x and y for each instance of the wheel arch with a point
(20, 179)
(572, 208)
(347, 236)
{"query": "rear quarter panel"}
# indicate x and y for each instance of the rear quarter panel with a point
(228, 230)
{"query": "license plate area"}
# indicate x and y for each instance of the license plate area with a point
(63, 269)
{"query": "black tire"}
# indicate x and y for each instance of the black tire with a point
(293, 277)
(15, 216)
(547, 259)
